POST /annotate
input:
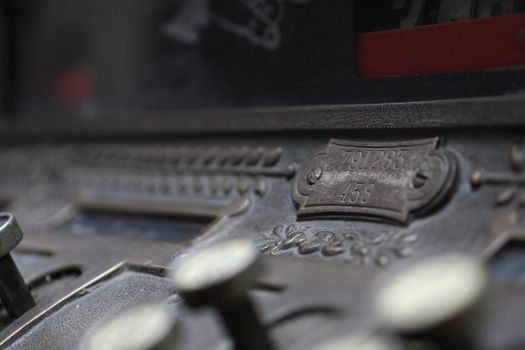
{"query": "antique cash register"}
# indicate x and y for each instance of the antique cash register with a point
(262, 174)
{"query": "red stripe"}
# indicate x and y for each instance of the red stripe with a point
(458, 46)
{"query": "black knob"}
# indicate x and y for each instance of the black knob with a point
(14, 293)
(219, 276)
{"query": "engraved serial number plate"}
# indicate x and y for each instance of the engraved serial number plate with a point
(381, 180)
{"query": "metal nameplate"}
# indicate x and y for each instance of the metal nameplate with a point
(386, 180)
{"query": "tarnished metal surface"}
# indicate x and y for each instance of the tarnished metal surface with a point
(485, 112)
(384, 180)
(462, 194)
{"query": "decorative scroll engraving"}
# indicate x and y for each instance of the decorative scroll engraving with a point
(352, 247)
(381, 180)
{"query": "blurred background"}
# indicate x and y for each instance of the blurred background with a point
(84, 57)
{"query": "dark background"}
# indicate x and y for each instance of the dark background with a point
(90, 56)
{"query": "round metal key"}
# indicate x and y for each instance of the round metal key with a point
(143, 327)
(219, 276)
(217, 273)
(360, 341)
(438, 301)
(430, 293)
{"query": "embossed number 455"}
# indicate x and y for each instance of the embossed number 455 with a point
(356, 193)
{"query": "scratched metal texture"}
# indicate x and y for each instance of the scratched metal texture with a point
(239, 181)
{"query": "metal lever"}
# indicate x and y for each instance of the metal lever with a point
(15, 294)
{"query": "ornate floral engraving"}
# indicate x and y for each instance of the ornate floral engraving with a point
(351, 247)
